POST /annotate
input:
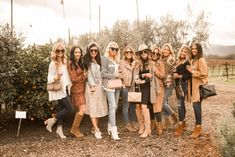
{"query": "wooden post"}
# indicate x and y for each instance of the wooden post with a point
(226, 68)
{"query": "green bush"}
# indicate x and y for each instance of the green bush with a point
(30, 81)
(23, 75)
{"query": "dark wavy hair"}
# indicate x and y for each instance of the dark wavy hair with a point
(73, 59)
(199, 51)
(87, 60)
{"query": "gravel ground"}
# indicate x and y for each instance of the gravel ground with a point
(35, 141)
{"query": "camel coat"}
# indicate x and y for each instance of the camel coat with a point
(126, 74)
(199, 77)
(78, 85)
(160, 76)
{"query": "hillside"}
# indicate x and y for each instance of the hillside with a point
(220, 50)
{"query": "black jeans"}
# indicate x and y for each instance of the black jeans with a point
(64, 107)
(198, 112)
(181, 102)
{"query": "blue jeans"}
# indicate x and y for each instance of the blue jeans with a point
(181, 102)
(64, 107)
(128, 109)
(168, 92)
(112, 97)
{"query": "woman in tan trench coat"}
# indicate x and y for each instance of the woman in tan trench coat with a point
(199, 71)
(159, 70)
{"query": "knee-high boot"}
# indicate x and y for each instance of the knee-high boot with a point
(147, 130)
(75, 127)
(140, 119)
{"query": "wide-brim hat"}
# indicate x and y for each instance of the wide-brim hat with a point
(143, 47)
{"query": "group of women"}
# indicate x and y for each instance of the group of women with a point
(154, 72)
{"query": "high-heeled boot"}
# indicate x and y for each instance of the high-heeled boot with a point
(147, 130)
(114, 133)
(75, 127)
(140, 120)
(59, 132)
(49, 123)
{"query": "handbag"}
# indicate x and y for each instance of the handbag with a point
(54, 86)
(116, 83)
(134, 96)
(179, 90)
(207, 90)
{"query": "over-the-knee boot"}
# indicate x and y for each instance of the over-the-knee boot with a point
(75, 127)
(140, 119)
(49, 122)
(59, 132)
(147, 130)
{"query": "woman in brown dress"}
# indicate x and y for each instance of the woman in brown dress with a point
(77, 76)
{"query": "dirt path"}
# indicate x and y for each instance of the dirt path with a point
(35, 141)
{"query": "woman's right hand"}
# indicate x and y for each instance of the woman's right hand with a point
(58, 76)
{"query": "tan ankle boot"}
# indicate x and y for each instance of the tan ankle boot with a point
(179, 130)
(197, 131)
(129, 127)
(174, 118)
(75, 127)
(159, 128)
(140, 119)
(167, 123)
(147, 130)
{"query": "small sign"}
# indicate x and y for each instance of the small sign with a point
(20, 114)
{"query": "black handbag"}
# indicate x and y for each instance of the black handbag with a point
(207, 90)
(179, 90)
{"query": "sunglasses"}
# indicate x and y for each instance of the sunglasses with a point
(58, 51)
(130, 52)
(156, 53)
(114, 49)
(143, 52)
(93, 50)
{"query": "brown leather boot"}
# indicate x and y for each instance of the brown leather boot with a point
(129, 127)
(174, 118)
(159, 128)
(147, 130)
(197, 131)
(75, 127)
(140, 119)
(167, 123)
(153, 124)
(181, 127)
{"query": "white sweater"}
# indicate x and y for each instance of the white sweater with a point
(65, 81)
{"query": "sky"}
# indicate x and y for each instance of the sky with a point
(43, 20)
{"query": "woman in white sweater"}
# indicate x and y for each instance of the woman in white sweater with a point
(58, 72)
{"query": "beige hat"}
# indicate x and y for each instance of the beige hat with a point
(143, 47)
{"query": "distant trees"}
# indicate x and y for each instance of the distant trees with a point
(149, 32)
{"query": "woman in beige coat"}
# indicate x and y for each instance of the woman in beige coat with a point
(199, 71)
(159, 70)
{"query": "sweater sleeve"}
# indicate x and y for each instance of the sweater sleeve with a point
(104, 70)
(201, 72)
(51, 72)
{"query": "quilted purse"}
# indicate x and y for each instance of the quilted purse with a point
(116, 83)
(134, 96)
(55, 86)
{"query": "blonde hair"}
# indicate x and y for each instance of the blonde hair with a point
(117, 56)
(54, 56)
(124, 50)
(171, 49)
(188, 52)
